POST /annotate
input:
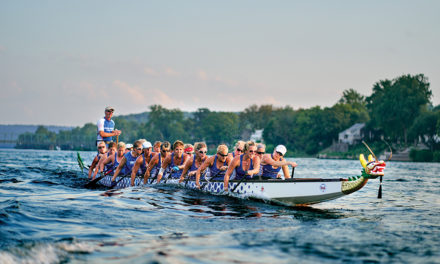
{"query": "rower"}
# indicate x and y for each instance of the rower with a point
(140, 167)
(157, 160)
(245, 166)
(215, 166)
(128, 161)
(156, 146)
(193, 164)
(102, 149)
(271, 164)
(238, 149)
(174, 163)
(114, 160)
(100, 167)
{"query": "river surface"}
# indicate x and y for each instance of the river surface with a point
(47, 216)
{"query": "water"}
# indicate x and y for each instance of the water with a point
(46, 216)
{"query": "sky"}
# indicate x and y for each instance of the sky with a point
(63, 62)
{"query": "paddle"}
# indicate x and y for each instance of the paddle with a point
(293, 172)
(212, 177)
(80, 162)
(92, 183)
(379, 193)
(121, 178)
(242, 179)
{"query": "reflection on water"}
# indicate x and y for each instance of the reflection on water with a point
(47, 216)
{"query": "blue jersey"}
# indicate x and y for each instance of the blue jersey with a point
(129, 164)
(269, 171)
(108, 166)
(107, 126)
(215, 172)
(156, 168)
(239, 172)
(116, 164)
(175, 174)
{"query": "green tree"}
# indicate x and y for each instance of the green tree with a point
(425, 128)
(394, 105)
(165, 124)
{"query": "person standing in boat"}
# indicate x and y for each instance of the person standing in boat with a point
(106, 127)
(215, 166)
(102, 149)
(115, 159)
(174, 163)
(141, 165)
(271, 164)
(238, 149)
(245, 165)
(126, 165)
(107, 167)
(193, 164)
(156, 162)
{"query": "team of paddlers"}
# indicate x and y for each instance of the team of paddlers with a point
(184, 161)
(188, 162)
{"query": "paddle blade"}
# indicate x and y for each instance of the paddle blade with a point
(92, 183)
(80, 162)
(379, 194)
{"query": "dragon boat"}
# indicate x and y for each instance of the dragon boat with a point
(291, 192)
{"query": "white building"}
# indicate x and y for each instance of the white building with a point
(352, 134)
(257, 136)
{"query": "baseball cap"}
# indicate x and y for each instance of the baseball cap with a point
(109, 108)
(128, 145)
(146, 144)
(281, 149)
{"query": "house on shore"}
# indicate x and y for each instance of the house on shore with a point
(352, 135)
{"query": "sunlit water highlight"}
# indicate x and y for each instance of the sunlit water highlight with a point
(47, 216)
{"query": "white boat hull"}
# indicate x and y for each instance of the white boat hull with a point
(290, 192)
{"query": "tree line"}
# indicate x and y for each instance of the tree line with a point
(398, 110)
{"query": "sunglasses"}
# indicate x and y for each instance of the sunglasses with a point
(165, 150)
(252, 151)
(259, 152)
(202, 152)
(279, 153)
(138, 148)
(101, 147)
(223, 155)
(239, 150)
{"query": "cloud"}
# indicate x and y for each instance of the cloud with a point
(12, 90)
(171, 72)
(202, 75)
(150, 71)
(84, 90)
(135, 93)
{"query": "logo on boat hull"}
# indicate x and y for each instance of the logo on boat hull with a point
(322, 187)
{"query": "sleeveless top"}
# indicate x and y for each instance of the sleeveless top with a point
(116, 164)
(144, 164)
(128, 167)
(108, 166)
(269, 171)
(106, 126)
(216, 173)
(155, 170)
(193, 168)
(239, 172)
(175, 174)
